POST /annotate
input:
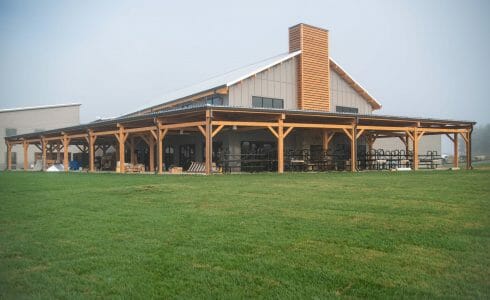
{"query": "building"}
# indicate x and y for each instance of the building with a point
(299, 110)
(24, 120)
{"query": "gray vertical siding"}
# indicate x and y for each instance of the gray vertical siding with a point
(278, 82)
(342, 94)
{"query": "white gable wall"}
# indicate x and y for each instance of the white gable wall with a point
(277, 82)
(342, 94)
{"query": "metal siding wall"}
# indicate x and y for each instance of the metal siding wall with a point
(277, 82)
(342, 94)
(27, 121)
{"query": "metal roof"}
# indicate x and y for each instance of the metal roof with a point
(224, 80)
(38, 107)
(235, 76)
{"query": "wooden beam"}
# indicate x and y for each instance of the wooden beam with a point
(140, 129)
(280, 145)
(202, 130)
(217, 130)
(273, 131)
(122, 139)
(384, 128)
(91, 156)
(77, 136)
(410, 135)
(209, 143)
(288, 131)
(353, 150)
(326, 138)
(450, 137)
(153, 133)
(247, 124)
(44, 144)
(347, 133)
(103, 133)
(468, 151)
(420, 134)
(415, 148)
(161, 137)
(443, 130)
(465, 136)
(321, 126)
(66, 145)
(54, 138)
(359, 133)
(456, 151)
(182, 125)
(9, 156)
(151, 145)
(26, 155)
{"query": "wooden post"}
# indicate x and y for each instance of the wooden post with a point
(122, 140)
(133, 149)
(58, 153)
(44, 145)
(9, 156)
(209, 143)
(325, 139)
(91, 158)
(280, 145)
(152, 153)
(456, 150)
(407, 143)
(159, 139)
(353, 150)
(26, 155)
(66, 145)
(415, 147)
(468, 149)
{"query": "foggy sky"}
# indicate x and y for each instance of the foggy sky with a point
(417, 58)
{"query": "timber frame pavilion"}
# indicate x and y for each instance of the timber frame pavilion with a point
(210, 120)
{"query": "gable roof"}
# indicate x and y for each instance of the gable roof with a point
(230, 78)
(221, 81)
(354, 84)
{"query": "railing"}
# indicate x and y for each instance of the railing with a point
(307, 160)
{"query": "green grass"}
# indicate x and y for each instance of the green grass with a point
(379, 234)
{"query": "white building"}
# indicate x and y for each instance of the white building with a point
(33, 119)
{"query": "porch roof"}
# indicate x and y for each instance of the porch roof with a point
(241, 115)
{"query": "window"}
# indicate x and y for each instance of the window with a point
(267, 102)
(10, 132)
(346, 109)
(214, 100)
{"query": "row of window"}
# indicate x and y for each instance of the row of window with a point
(267, 102)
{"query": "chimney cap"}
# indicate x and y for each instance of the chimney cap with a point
(308, 25)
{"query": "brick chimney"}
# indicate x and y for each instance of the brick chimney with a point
(313, 70)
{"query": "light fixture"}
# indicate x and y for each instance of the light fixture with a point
(234, 127)
(181, 131)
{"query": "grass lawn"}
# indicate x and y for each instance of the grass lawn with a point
(377, 234)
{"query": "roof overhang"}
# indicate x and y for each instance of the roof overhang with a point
(199, 112)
